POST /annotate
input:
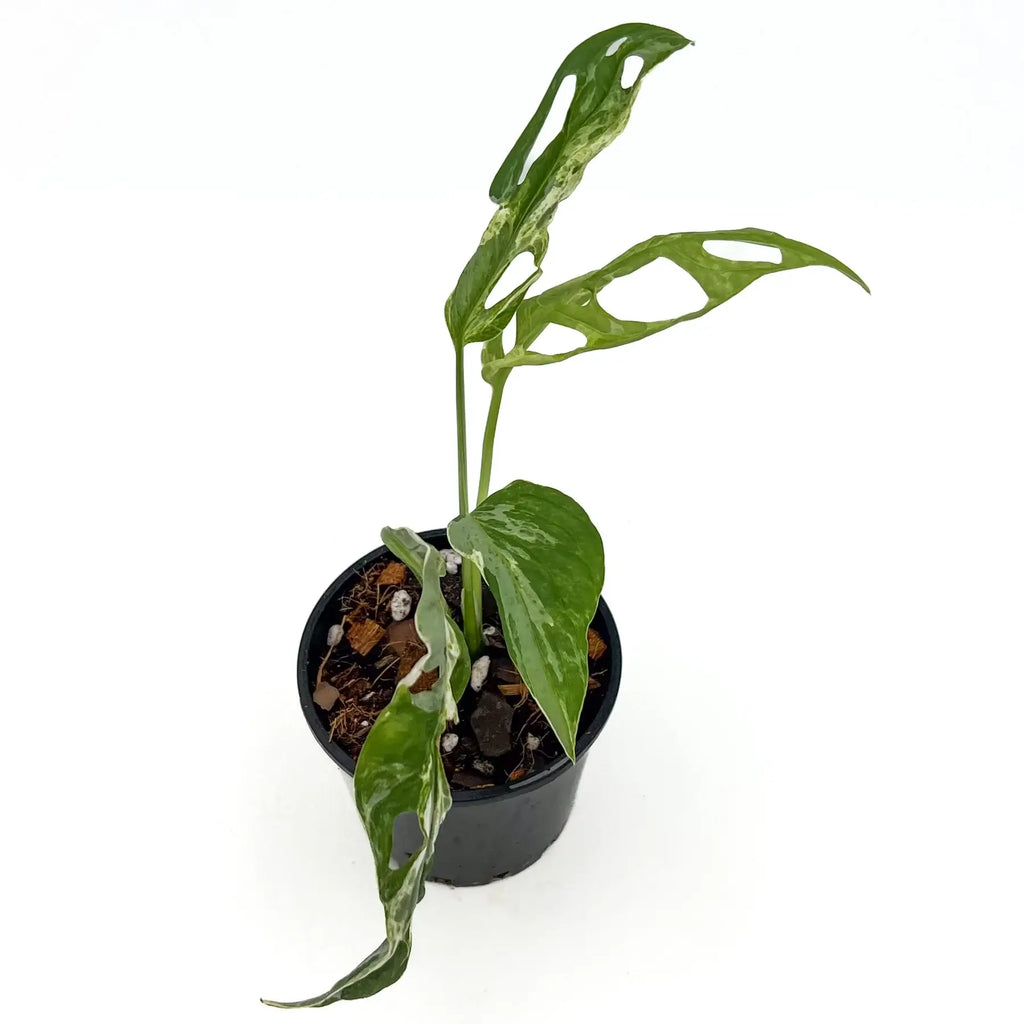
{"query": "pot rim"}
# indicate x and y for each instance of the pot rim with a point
(496, 792)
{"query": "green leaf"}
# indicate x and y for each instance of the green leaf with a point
(597, 114)
(412, 550)
(543, 560)
(399, 771)
(576, 303)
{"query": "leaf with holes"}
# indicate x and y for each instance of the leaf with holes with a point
(399, 771)
(543, 560)
(527, 197)
(576, 303)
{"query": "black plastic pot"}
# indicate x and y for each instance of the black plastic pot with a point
(489, 833)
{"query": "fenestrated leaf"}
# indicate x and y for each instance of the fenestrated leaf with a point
(576, 303)
(597, 114)
(543, 560)
(399, 771)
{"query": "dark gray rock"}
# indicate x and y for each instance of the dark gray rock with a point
(492, 725)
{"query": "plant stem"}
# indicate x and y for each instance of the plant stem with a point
(460, 428)
(472, 608)
(487, 451)
(472, 596)
(472, 586)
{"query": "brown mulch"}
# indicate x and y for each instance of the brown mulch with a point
(357, 677)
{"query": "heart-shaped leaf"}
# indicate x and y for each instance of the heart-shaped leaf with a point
(399, 771)
(576, 303)
(543, 560)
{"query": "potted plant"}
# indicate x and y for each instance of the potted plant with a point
(463, 712)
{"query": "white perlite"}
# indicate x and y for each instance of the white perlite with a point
(401, 605)
(449, 741)
(532, 742)
(334, 634)
(478, 674)
(452, 560)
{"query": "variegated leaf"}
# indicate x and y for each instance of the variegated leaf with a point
(576, 303)
(399, 771)
(544, 562)
(526, 203)
(413, 550)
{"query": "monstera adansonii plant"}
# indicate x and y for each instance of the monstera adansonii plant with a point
(536, 548)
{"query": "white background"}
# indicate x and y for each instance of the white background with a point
(227, 231)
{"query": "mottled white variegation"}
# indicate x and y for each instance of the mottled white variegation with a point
(537, 549)
(577, 303)
(399, 771)
(543, 561)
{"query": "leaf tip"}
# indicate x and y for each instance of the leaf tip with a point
(848, 272)
(857, 279)
(567, 737)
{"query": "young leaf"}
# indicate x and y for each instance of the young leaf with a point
(597, 114)
(543, 560)
(399, 771)
(576, 304)
(414, 552)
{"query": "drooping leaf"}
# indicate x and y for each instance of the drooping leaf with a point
(576, 303)
(543, 560)
(399, 771)
(526, 203)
